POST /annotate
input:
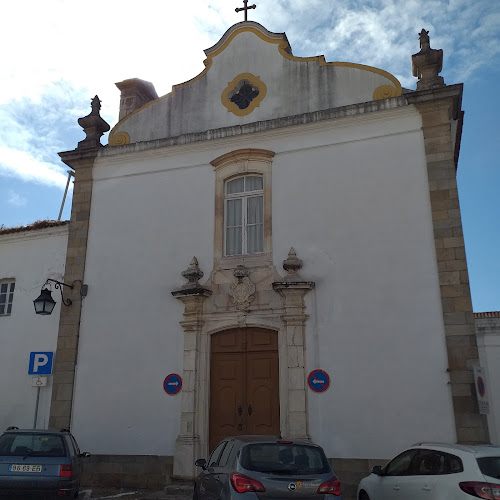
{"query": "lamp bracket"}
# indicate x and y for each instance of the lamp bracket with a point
(58, 286)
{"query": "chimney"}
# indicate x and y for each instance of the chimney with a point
(134, 94)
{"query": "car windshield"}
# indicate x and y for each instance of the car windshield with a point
(278, 458)
(490, 466)
(31, 444)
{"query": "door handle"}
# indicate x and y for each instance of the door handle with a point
(426, 488)
(397, 488)
(240, 410)
(250, 409)
(240, 427)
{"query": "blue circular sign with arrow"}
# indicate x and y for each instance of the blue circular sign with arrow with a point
(172, 384)
(318, 381)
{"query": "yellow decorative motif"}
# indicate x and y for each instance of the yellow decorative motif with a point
(255, 81)
(384, 92)
(119, 139)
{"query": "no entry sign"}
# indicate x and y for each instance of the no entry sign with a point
(318, 381)
(481, 390)
(172, 384)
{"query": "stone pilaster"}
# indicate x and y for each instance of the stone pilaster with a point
(293, 289)
(81, 160)
(69, 323)
(439, 108)
(187, 444)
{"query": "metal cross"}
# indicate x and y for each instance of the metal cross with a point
(245, 8)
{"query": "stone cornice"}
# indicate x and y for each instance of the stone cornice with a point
(293, 285)
(242, 155)
(75, 157)
(34, 234)
(192, 292)
(430, 96)
(351, 110)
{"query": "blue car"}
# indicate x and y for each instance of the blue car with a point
(39, 464)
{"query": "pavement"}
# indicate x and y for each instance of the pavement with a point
(173, 492)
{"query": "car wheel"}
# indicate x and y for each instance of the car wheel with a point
(364, 496)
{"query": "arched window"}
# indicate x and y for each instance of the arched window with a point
(243, 221)
(244, 215)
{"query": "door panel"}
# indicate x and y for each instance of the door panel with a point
(262, 393)
(244, 374)
(226, 392)
(228, 341)
(260, 340)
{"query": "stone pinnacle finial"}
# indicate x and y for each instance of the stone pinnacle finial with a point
(93, 126)
(193, 273)
(423, 36)
(427, 64)
(292, 266)
(95, 104)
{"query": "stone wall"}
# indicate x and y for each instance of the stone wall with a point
(350, 471)
(127, 471)
(153, 471)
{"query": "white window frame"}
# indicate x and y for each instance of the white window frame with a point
(9, 282)
(244, 196)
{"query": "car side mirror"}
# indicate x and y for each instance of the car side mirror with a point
(201, 462)
(377, 469)
(85, 454)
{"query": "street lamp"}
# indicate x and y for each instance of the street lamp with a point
(44, 303)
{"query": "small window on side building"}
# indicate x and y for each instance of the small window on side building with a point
(6, 296)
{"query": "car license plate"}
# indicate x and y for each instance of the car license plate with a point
(25, 468)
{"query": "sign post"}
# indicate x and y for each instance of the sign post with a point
(40, 364)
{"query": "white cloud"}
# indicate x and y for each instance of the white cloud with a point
(20, 164)
(16, 199)
(65, 52)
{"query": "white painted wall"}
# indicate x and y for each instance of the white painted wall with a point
(351, 196)
(30, 257)
(293, 87)
(488, 340)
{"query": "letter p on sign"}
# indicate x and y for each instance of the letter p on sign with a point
(40, 363)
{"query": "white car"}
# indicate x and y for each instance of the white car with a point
(434, 471)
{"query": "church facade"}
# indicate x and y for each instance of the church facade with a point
(272, 218)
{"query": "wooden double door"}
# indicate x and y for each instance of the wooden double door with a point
(244, 383)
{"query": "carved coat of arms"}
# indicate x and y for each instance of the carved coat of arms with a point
(243, 290)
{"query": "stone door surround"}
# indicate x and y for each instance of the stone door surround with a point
(278, 305)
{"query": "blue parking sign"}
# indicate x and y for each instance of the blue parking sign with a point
(40, 363)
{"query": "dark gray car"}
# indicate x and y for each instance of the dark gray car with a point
(266, 467)
(39, 464)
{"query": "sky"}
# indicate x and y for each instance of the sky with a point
(57, 54)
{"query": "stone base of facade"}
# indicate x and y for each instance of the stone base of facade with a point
(127, 471)
(350, 471)
(156, 472)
